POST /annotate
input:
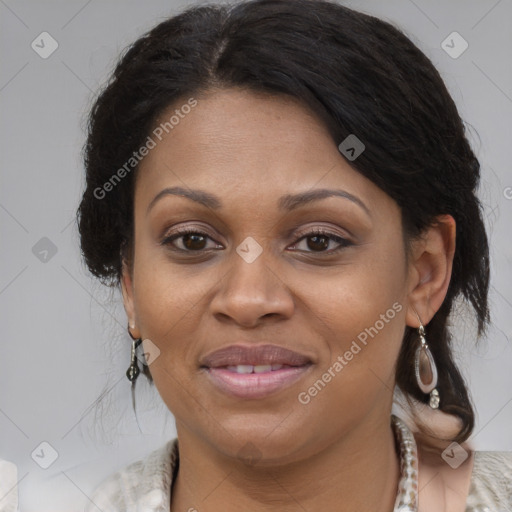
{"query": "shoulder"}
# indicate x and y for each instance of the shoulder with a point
(491, 481)
(488, 461)
(144, 482)
(461, 479)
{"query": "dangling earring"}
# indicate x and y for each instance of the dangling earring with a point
(133, 371)
(426, 370)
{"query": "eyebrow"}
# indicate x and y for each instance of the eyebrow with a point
(292, 201)
(288, 202)
(199, 196)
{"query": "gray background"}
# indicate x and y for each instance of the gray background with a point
(64, 345)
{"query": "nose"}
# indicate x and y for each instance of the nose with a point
(251, 292)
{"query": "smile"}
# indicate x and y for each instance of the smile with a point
(255, 382)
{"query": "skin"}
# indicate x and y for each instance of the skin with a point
(249, 150)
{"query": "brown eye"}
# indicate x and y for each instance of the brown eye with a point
(191, 241)
(194, 241)
(318, 241)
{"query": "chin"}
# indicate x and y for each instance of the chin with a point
(263, 440)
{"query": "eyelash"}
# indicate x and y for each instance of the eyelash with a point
(316, 232)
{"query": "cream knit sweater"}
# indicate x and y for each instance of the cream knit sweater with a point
(144, 486)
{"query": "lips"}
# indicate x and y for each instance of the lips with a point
(254, 359)
(254, 372)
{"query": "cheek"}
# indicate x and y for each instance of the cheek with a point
(168, 304)
(360, 315)
(167, 309)
(164, 292)
(353, 297)
(362, 326)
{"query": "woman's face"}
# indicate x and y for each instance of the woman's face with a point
(258, 273)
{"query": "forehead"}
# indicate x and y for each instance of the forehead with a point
(246, 146)
(228, 120)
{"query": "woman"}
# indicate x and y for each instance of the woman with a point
(284, 192)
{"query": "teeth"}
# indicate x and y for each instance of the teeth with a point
(243, 368)
(249, 368)
(262, 368)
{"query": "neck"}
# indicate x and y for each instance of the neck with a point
(357, 472)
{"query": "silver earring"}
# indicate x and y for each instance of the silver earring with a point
(426, 370)
(133, 371)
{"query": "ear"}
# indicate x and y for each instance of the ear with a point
(128, 300)
(430, 270)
